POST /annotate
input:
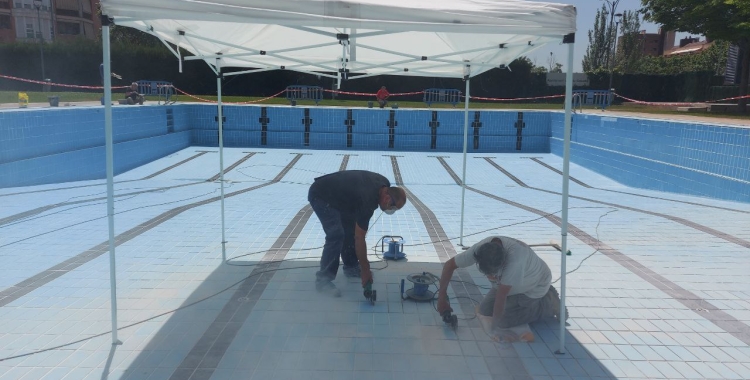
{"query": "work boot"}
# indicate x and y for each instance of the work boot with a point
(327, 288)
(555, 299)
(353, 272)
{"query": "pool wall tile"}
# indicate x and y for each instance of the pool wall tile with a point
(680, 157)
(64, 144)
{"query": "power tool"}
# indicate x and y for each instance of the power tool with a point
(370, 295)
(449, 319)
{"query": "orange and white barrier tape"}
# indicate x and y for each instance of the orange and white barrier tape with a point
(214, 101)
(58, 84)
(515, 99)
(372, 94)
(680, 103)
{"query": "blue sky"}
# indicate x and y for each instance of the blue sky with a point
(585, 22)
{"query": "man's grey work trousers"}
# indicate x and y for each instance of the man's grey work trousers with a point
(520, 309)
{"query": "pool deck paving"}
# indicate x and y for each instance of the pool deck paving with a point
(657, 285)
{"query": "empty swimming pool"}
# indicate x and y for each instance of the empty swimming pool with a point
(657, 287)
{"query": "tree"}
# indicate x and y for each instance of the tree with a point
(125, 35)
(727, 20)
(598, 49)
(539, 70)
(611, 5)
(713, 59)
(630, 47)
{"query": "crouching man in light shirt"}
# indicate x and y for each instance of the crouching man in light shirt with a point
(521, 290)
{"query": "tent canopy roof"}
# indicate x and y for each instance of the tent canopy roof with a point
(397, 37)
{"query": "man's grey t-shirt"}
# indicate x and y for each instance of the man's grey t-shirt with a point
(524, 271)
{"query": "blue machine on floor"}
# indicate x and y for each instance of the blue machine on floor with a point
(395, 247)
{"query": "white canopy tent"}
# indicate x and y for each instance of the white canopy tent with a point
(346, 40)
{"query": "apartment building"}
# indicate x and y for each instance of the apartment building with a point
(48, 20)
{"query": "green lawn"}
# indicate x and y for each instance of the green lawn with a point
(65, 97)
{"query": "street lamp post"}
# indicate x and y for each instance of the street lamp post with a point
(38, 6)
(613, 53)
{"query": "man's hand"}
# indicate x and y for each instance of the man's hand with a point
(443, 305)
(366, 276)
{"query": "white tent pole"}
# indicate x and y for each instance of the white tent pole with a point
(107, 76)
(566, 172)
(221, 158)
(467, 78)
(344, 44)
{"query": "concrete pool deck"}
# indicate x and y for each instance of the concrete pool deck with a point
(658, 288)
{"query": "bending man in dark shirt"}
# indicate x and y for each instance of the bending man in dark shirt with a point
(344, 202)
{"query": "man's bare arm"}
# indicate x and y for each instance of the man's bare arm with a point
(499, 309)
(360, 249)
(445, 278)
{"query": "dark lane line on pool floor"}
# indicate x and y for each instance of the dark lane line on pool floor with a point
(32, 283)
(208, 351)
(720, 318)
(41, 209)
(716, 233)
(463, 286)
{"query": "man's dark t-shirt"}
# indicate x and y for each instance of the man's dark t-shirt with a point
(355, 192)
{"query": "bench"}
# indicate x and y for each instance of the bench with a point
(163, 90)
(597, 98)
(441, 95)
(295, 93)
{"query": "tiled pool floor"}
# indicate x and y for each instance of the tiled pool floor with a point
(663, 291)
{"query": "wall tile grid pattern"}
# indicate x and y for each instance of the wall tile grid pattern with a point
(67, 144)
(696, 159)
(412, 131)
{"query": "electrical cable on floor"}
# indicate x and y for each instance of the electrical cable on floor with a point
(592, 253)
(240, 170)
(102, 217)
(266, 271)
(284, 249)
(504, 226)
(30, 218)
(148, 190)
(421, 244)
(164, 313)
(279, 269)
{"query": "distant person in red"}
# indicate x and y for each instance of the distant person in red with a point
(382, 96)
